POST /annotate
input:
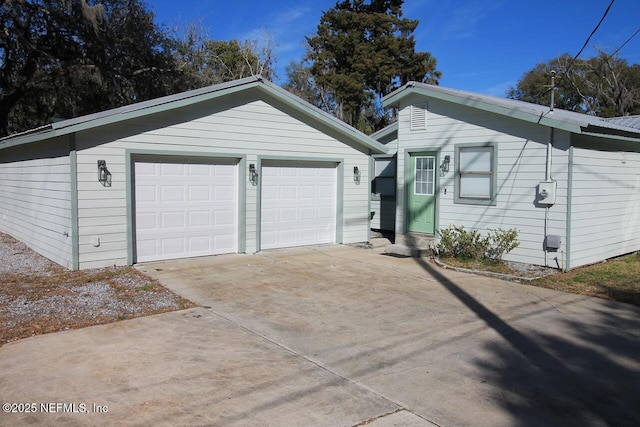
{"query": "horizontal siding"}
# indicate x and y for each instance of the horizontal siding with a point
(605, 205)
(521, 166)
(254, 129)
(35, 198)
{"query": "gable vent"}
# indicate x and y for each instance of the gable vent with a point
(418, 117)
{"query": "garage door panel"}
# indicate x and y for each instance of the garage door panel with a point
(268, 238)
(225, 194)
(308, 192)
(146, 221)
(198, 170)
(195, 213)
(288, 192)
(199, 219)
(224, 241)
(173, 245)
(199, 193)
(171, 169)
(307, 213)
(199, 244)
(224, 218)
(298, 208)
(146, 193)
(172, 220)
(287, 214)
(174, 193)
(145, 169)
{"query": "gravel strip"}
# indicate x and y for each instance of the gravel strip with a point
(17, 258)
(38, 296)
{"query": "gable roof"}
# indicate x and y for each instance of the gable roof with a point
(388, 131)
(561, 119)
(191, 97)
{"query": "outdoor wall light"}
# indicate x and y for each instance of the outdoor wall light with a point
(104, 176)
(444, 167)
(253, 174)
(356, 175)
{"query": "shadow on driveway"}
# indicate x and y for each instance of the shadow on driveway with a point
(555, 380)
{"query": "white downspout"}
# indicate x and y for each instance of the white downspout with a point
(547, 175)
(547, 178)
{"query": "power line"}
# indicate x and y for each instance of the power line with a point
(606, 12)
(623, 44)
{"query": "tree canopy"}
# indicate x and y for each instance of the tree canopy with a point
(64, 58)
(362, 51)
(203, 62)
(603, 85)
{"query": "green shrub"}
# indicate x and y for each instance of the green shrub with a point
(502, 242)
(459, 243)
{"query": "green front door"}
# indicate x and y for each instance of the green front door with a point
(421, 206)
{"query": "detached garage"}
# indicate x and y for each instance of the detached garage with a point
(233, 168)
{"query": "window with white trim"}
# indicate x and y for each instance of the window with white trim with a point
(475, 174)
(384, 181)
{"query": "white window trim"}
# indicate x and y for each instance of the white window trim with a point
(392, 160)
(487, 201)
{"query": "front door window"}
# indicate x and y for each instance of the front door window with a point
(425, 175)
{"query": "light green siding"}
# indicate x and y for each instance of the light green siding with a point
(35, 198)
(605, 204)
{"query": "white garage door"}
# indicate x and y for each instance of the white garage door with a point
(185, 209)
(298, 205)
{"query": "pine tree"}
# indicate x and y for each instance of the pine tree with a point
(361, 52)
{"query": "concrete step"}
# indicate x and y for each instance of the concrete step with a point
(412, 245)
(408, 251)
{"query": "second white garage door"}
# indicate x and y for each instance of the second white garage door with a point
(298, 204)
(185, 209)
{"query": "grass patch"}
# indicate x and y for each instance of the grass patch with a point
(617, 279)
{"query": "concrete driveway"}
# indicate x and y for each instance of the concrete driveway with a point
(337, 335)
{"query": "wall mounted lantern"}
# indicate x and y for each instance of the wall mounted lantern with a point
(356, 175)
(104, 176)
(253, 174)
(444, 167)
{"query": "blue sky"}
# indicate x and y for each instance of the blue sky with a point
(481, 45)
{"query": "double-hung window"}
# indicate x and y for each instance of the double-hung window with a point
(475, 178)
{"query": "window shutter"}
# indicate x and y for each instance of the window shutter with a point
(418, 117)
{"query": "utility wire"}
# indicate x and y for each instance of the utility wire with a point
(606, 12)
(623, 44)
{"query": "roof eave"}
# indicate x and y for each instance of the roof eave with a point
(394, 98)
(386, 131)
(605, 133)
